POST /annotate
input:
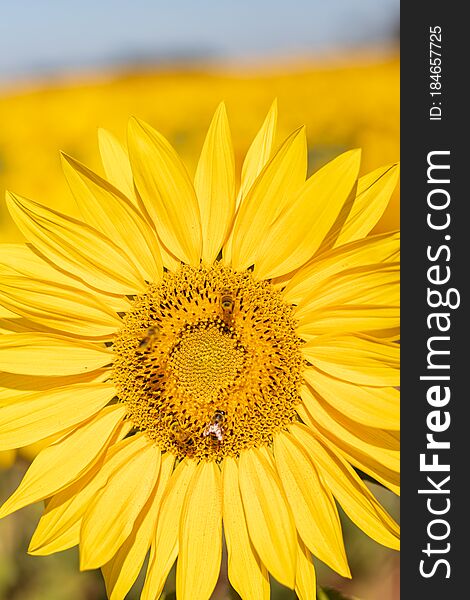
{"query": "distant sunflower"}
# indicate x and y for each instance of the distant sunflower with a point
(209, 358)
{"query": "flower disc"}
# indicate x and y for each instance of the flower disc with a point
(208, 362)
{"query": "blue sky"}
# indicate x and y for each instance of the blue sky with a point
(43, 36)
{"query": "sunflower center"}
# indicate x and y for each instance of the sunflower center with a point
(208, 362)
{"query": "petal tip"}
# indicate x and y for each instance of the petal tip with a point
(221, 108)
(135, 124)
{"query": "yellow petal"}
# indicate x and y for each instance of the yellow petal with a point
(305, 579)
(354, 301)
(107, 210)
(351, 318)
(326, 414)
(365, 463)
(373, 194)
(355, 498)
(371, 406)
(110, 517)
(259, 152)
(50, 354)
(65, 460)
(31, 451)
(119, 173)
(166, 191)
(256, 158)
(200, 534)
(372, 250)
(214, 183)
(122, 570)
(269, 519)
(358, 359)
(67, 538)
(59, 526)
(6, 313)
(116, 163)
(75, 247)
(18, 325)
(165, 544)
(12, 386)
(20, 259)
(314, 509)
(66, 309)
(373, 451)
(247, 574)
(374, 284)
(388, 335)
(300, 229)
(40, 414)
(170, 262)
(267, 198)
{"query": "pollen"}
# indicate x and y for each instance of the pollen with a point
(208, 362)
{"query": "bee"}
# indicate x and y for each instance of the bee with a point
(215, 430)
(219, 417)
(147, 341)
(227, 304)
(182, 437)
(226, 301)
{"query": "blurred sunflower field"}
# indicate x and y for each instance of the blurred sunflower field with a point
(344, 104)
(349, 102)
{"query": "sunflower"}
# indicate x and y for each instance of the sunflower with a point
(211, 359)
